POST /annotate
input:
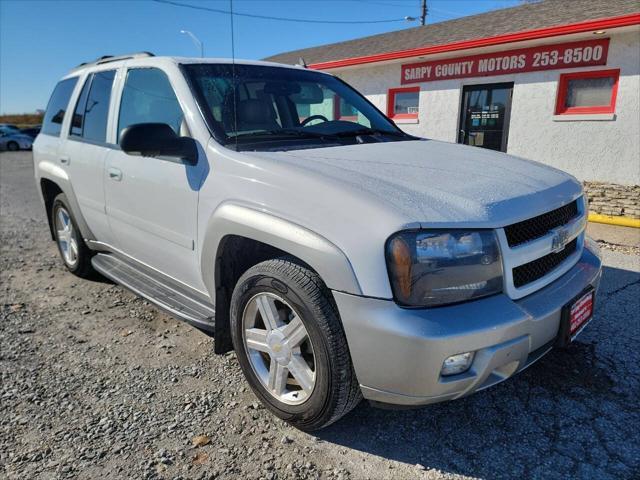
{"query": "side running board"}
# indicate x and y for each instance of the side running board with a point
(172, 299)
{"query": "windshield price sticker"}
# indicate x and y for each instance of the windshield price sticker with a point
(547, 57)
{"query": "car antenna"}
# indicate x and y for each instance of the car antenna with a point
(233, 75)
(302, 63)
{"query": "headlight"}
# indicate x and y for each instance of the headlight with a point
(435, 267)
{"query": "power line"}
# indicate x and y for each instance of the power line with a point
(443, 17)
(266, 17)
(446, 12)
(387, 4)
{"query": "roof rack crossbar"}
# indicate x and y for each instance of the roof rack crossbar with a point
(112, 58)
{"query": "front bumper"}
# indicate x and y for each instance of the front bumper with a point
(397, 353)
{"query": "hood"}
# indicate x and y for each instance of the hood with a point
(437, 183)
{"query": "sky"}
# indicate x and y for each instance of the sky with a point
(41, 40)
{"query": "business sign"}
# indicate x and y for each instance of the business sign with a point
(548, 57)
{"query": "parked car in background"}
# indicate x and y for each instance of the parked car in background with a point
(8, 125)
(14, 140)
(31, 131)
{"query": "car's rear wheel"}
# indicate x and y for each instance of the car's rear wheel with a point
(13, 146)
(291, 346)
(74, 252)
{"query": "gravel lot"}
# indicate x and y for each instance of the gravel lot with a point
(96, 383)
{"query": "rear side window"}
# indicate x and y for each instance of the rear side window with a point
(148, 97)
(78, 113)
(57, 107)
(92, 110)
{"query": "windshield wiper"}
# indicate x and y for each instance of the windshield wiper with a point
(279, 134)
(367, 131)
(283, 132)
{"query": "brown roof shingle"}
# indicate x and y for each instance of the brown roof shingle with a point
(548, 13)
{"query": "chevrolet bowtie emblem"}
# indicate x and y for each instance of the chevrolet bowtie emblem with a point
(560, 239)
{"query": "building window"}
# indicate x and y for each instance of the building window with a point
(402, 103)
(343, 110)
(304, 111)
(587, 92)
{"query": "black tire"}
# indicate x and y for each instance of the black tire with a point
(336, 390)
(82, 266)
(13, 146)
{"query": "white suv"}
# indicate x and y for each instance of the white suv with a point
(279, 210)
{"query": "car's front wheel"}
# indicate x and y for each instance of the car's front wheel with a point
(13, 146)
(291, 346)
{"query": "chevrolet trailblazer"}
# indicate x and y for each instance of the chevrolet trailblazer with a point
(276, 208)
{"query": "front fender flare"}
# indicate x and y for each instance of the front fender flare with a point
(324, 257)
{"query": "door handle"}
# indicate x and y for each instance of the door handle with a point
(115, 174)
(65, 160)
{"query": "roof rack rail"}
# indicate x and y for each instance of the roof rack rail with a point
(112, 58)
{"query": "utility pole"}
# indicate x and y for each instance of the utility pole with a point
(423, 12)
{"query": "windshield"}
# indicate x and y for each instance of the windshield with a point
(275, 108)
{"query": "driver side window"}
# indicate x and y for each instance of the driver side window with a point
(148, 97)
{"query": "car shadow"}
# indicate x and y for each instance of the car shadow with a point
(97, 277)
(561, 417)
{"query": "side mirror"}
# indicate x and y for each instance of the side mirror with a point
(158, 140)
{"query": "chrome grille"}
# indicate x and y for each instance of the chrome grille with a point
(539, 226)
(532, 271)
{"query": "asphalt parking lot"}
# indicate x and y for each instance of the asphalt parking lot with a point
(96, 383)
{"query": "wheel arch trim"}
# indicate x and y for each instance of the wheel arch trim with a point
(319, 253)
(58, 176)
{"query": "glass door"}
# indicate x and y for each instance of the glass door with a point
(484, 117)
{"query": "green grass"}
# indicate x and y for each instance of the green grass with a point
(22, 120)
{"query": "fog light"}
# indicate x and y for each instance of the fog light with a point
(457, 364)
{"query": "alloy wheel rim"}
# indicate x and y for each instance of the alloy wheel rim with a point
(279, 348)
(66, 238)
